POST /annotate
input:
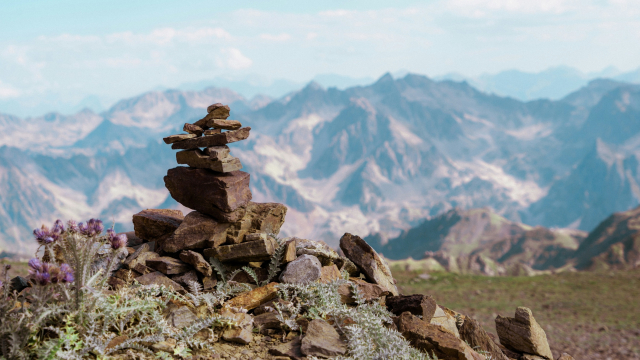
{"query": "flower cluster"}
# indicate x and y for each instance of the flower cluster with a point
(46, 236)
(47, 273)
(116, 241)
(93, 227)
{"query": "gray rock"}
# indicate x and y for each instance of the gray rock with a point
(322, 340)
(172, 139)
(217, 152)
(289, 350)
(523, 334)
(140, 256)
(303, 270)
(180, 317)
(158, 278)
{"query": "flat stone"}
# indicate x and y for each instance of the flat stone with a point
(186, 278)
(172, 139)
(254, 298)
(523, 334)
(446, 320)
(289, 251)
(420, 305)
(207, 191)
(369, 292)
(224, 138)
(197, 231)
(288, 350)
(212, 132)
(329, 274)
(158, 278)
(180, 317)
(143, 269)
(196, 158)
(224, 124)
(266, 217)
(140, 256)
(303, 270)
(219, 111)
(267, 320)
(217, 152)
(368, 261)
(433, 339)
(242, 332)
(477, 338)
(248, 251)
(209, 283)
(321, 339)
(319, 249)
(168, 265)
(197, 261)
(255, 237)
(156, 224)
(193, 129)
(132, 239)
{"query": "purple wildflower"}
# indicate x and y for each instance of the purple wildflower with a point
(117, 241)
(72, 226)
(93, 227)
(45, 236)
(35, 264)
(58, 227)
(67, 273)
(42, 278)
(47, 273)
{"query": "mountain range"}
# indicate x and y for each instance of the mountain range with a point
(375, 159)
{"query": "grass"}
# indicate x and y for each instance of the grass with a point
(590, 315)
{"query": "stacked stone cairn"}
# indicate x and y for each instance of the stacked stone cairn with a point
(170, 249)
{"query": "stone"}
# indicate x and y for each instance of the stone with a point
(267, 320)
(288, 350)
(322, 340)
(156, 224)
(224, 138)
(212, 132)
(158, 278)
(196, 158)
(186, 278)
(446, 320)
(116, 341)
(531, 357)
(266, 217)
(319, 249)
(132, 239)
(243, 277)
(477, 338)
(167, 346)
(254, 298)
(197, 261)
(172, 139)
(219, 111)
(368, 261)
(224, 124)
(523, 334)
(347, 265)
(329, 274)
(180, 316)
(126, 275)
(242, 332)
(565, 356)
(303, 270)
(116, 283)
(18, 284)
(207, 191)
(168, 265)
(255, 237)
(217, 152)
(289, 252)
(192, 129)
(247, 251)
(197, 231)
(143, 269)
(369, 292)
(140, 256)
(420, 305)
(209, 283)
(433, 339)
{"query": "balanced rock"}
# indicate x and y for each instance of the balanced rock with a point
(209, 192)
(197, 231)
(158, 278)
(176, 138)
(368, 261)
(212, 132)
(322, 340)
(523, 334)
(197, 261)
(168, 265)
(421, 305)
(477, 338)
(193, 129)
(303, 270)
(217, 152)
(224, 138)
(260, 250)
(196, 158)
(156, 224)
(224, 124)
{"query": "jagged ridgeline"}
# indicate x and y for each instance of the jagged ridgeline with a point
(219, 283)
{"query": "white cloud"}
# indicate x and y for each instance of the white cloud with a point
(7, 91)
(278, 38)
(234, 59)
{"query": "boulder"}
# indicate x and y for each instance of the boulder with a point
(186, 278)
(209, 192)
(329, 273)
(156, 224)
(477, 338)
(322, 340)
(421, 305)
(168, 265)
(446, 320)
(197, 261)
(260, 250)
(193, 129)
(434, 339)
(303, 270)
(254, 298)
(172, 139)
(219, 111)
(523, 334)
(224, 138)
(197, 231)
(158, 278)
(368, 261)
(195, 158)
(289, 350)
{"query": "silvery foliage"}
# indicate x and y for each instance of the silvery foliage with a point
(364, 324)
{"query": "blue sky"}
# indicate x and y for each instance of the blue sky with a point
(55, 54)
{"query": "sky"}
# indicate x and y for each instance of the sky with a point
(55, 55)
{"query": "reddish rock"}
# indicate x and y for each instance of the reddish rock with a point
(209, 192)
(212, 132)
(289, 251)
(477, 338)
(288, 350)
(197, 261)
(168, 265)
(197, 231)
(224, 124)
(422, 305)
(140, 256)
(195, 158)
(224, 138)
(369, 292)
(116, 283)
(177, 138)
(266, 217)
(156, 224)
(254, 298)
(247, 251)
(368, 261)
(321, 339)
(158, 278)
(126, 275)
(217, 152)
(116, 341)
(219, 111)
(143, 269)
(329, 274)
(186, 278)
(193, 129)
(523, 334)
(209, 283)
